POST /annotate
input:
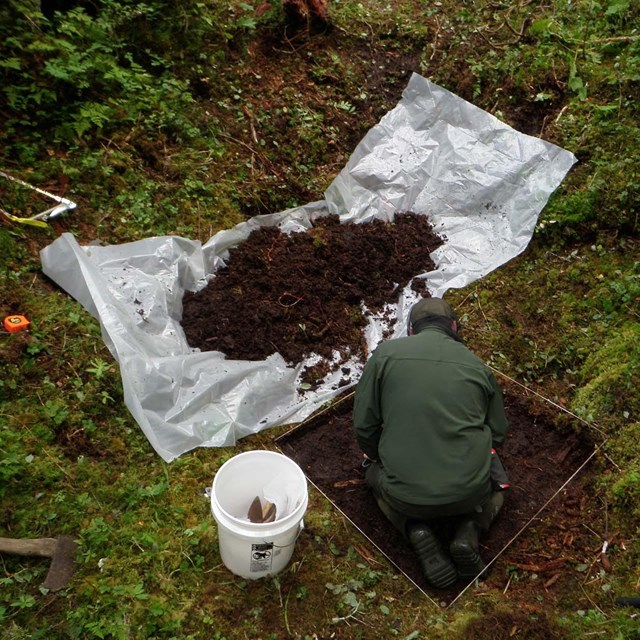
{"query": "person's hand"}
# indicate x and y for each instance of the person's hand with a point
(366, 460)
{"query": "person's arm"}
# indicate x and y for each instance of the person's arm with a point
(496, 418)
(367, 417)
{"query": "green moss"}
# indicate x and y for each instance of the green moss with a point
(8, 248)
(611, 378)
(622, 481)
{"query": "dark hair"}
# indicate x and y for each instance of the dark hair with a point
(439, 321)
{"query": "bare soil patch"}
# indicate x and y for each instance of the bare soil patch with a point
(539, 457)
(503, 625)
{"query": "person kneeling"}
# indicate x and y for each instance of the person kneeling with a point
(429, 416)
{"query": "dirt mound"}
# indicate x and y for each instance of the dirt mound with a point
(302, 293)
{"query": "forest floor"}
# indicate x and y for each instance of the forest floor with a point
(189, 118)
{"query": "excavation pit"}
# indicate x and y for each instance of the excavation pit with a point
(546, 449)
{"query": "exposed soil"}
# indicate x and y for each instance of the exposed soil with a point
(503, 625)
(302, 293)
(538, 455)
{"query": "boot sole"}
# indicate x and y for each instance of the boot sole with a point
(468, 562)
(438, 569)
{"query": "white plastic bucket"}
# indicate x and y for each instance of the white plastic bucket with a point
(254, 550)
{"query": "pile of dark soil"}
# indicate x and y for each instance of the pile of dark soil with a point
(301, 293)
(538, 456)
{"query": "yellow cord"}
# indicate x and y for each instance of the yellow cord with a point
(29, 221)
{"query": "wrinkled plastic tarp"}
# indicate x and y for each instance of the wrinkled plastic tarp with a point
(482, 184)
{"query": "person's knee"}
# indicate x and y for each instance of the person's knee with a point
(496, 502)
(489, 510)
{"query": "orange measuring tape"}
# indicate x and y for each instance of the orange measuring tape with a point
(13, 324)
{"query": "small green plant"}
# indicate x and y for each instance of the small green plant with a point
(56, 411)
(99, 368)
(24, 602)
(348, 599)
(344, 106)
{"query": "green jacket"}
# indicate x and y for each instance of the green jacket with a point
(430, 411)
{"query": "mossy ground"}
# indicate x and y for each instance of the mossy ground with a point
(186, 118)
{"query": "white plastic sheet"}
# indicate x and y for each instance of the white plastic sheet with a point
(482, 184)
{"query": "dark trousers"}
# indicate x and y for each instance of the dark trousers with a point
(481, 509)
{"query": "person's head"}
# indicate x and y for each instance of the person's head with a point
(432, 311)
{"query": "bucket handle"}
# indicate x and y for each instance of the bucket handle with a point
(284, 546)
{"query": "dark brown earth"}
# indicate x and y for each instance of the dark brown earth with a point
(301, 293)
(505, 625)
(538, 455)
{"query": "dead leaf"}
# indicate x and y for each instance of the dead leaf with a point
(366, 555)
(552, 580)
(544, 567)
(346, 483)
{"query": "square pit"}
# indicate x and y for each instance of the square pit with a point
(545, 449)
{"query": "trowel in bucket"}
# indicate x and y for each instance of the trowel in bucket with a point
(261, 513)
(61, 550)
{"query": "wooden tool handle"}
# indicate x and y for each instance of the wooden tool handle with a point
(44, 547)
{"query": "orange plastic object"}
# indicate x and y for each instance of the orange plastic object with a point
(13, 324)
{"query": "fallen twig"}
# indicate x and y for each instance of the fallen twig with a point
(346, 483)
(262, 157)
(606, 455)
(364, 553)
(542, 568)
(552, 580)
(435, 40)
(348, 616)
(615, 39)
(595, 606)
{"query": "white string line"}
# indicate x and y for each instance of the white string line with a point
(375, 546)
(542, 508)
(555, 404)
(40, 191)
(522, 529)
(64, 203)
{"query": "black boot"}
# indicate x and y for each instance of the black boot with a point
(438, 568)
(464, 550)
